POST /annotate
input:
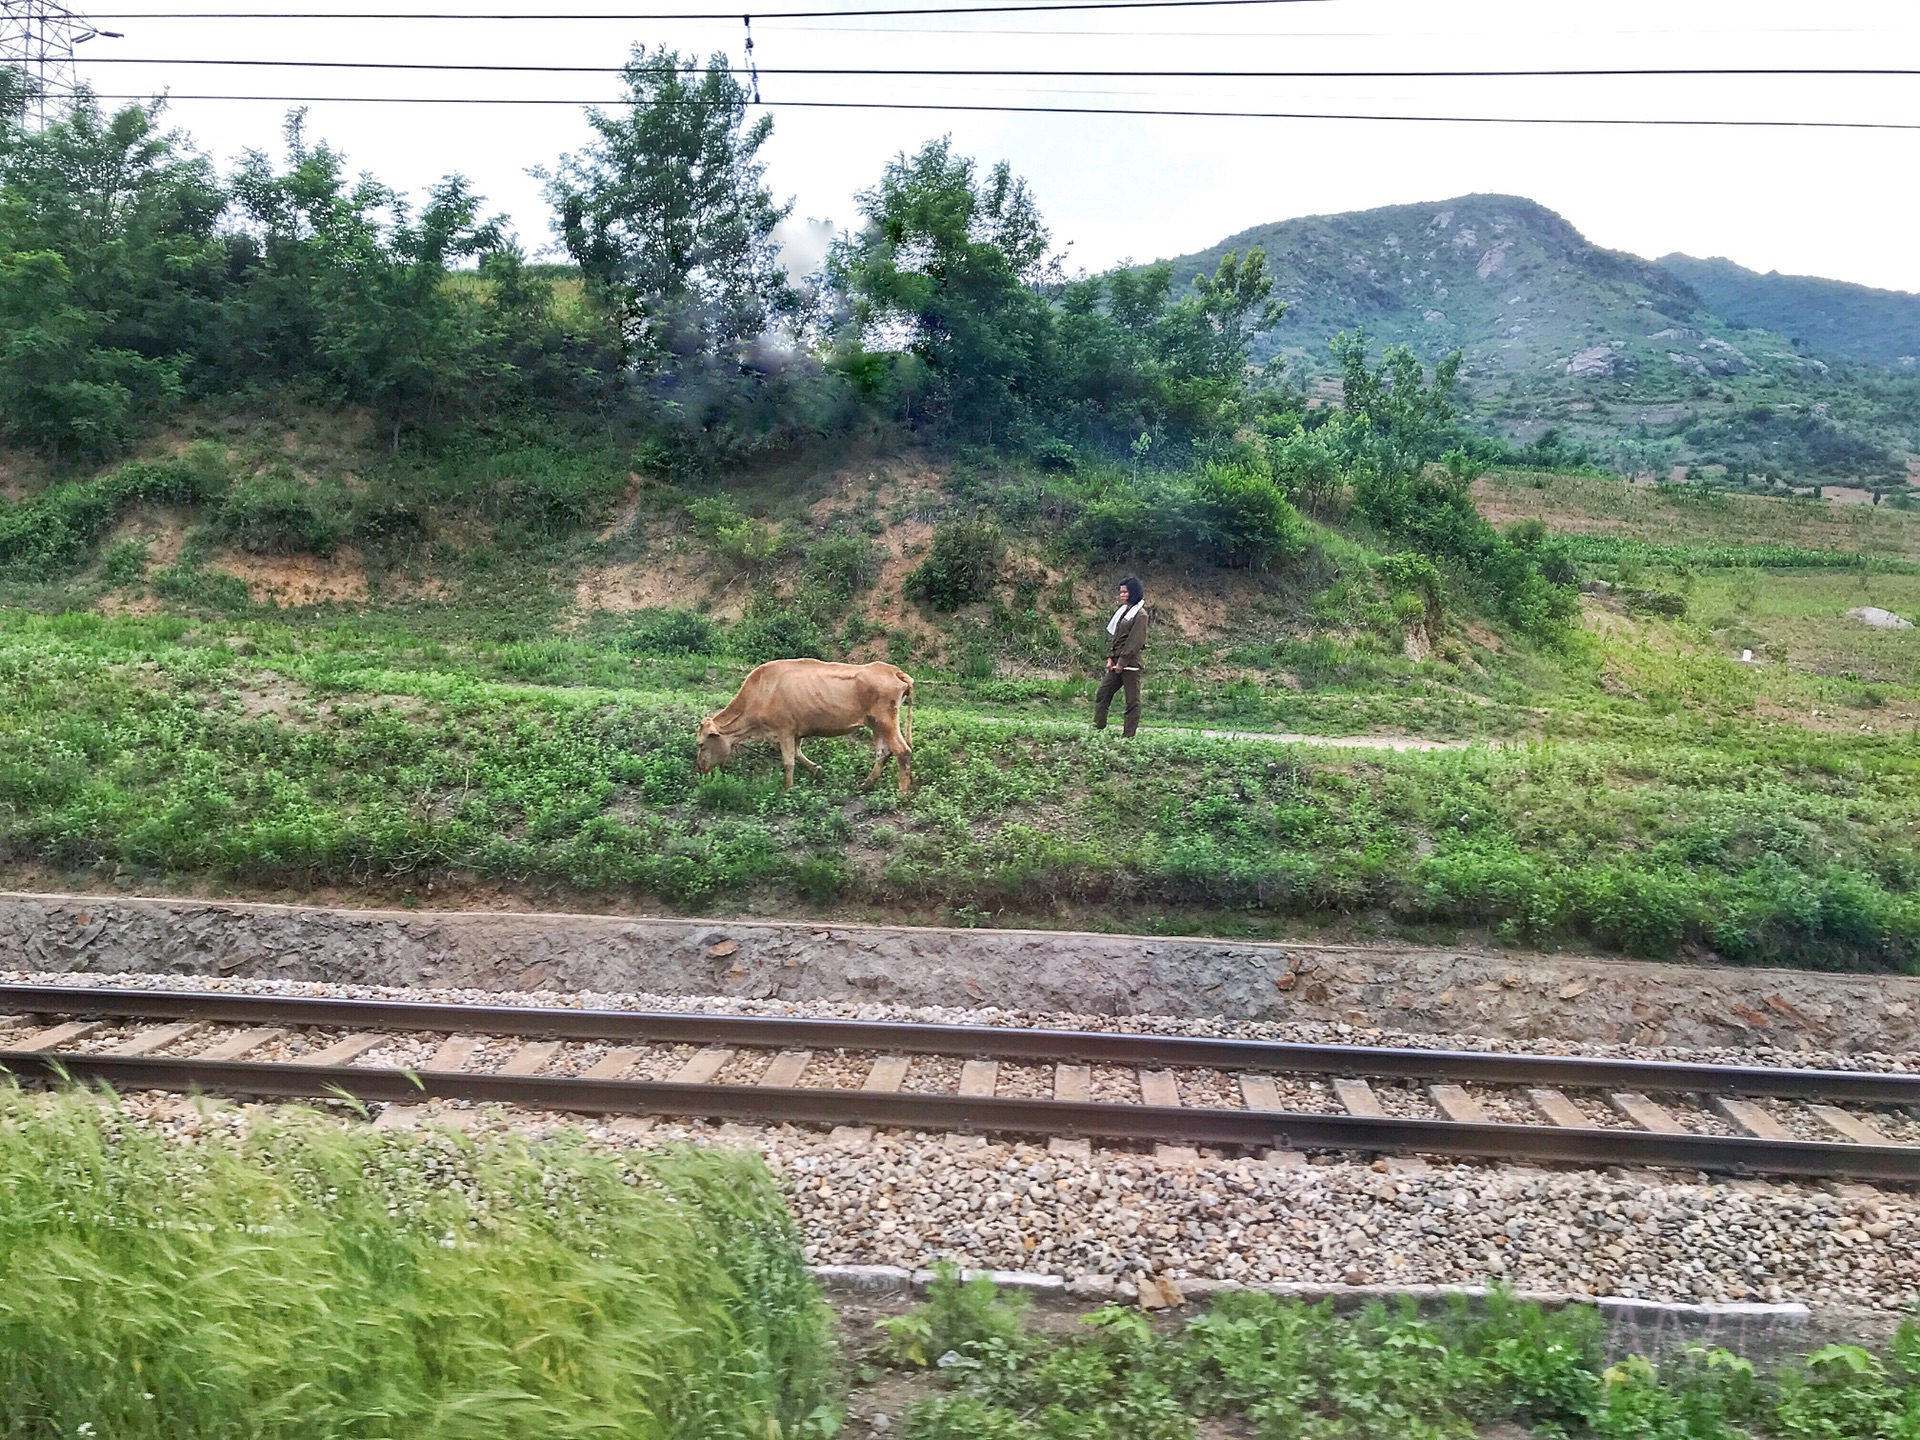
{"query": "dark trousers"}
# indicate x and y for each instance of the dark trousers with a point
(1115, 680)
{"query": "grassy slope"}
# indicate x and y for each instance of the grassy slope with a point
(1644, 790)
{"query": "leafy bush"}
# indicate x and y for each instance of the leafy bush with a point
(125, 562)
(841, 566)
(819, 880)
(773, 631)
(151, 1287)
(279, 514)
(958, 1315)
(962, 564)
(749, 543)
(1307, 467)
(670, 632)
(1241, 518)
(386, 513)
(54, 530)
(546, 491)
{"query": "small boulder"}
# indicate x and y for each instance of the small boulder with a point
(1875, 618)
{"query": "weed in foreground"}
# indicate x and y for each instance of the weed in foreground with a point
(288, 1278)
(1289, 1371)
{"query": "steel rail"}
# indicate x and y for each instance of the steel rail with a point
(1076, 1046)
(1234, 1129)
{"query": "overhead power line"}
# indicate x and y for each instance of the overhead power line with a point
(1023, 7)
(1775, 71)
(1613, 120)
(37, 37)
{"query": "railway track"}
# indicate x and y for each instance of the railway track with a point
(1240, 1095)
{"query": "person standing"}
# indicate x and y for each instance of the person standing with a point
(1128, 629)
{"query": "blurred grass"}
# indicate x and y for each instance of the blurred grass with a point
(287, 1277)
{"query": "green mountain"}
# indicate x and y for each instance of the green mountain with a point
(1574, 343)
(1829, 317)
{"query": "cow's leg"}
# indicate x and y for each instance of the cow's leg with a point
(880, 753)
(887, 737)
(789, 748)
(812, 769)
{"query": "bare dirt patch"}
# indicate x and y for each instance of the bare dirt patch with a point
(294, 580)
(165, 535)
(662, 579)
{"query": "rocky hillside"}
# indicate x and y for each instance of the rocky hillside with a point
(1828, 317)
(1560, 334)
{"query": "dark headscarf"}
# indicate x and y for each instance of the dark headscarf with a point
(1135, 591)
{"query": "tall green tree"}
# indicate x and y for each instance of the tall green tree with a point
(341, 282)
(951, 265)
(1139, 358)
(668, 216)
(110, 273)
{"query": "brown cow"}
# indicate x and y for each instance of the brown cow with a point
(794, 700)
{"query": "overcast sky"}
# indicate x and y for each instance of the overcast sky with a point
(1841, 203)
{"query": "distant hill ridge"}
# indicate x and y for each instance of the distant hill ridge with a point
(1601, 347)
(1519, 288)
(1829, 317)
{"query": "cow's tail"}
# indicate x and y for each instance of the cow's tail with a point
(907, 728)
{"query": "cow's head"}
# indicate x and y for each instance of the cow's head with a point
(714, 748)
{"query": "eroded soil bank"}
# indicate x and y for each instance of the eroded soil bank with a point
(1427, 991)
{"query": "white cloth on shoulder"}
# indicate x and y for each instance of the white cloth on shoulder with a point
(1124, 615)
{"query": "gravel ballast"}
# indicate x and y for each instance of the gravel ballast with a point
(1112, 1217)
(1405, 988)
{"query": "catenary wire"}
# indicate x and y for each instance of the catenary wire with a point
(1776, 71)
(1024, 7)
(1610, 120)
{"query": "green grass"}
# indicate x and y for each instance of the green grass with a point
(269, 759)
(1638, 788)
(286, 1276)
(1281, 1370)
(1692, 516)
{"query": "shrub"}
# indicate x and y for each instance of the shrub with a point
(819, 880)
(961, 565)
(1308, 468)
(1240, 518)
(126, 562)
(843, 565)
(772, 631)
(385, 513)
(280, 514)
(750, 544)
(548, 492)
(670, 632)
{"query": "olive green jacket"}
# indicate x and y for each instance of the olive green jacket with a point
(1129, 639)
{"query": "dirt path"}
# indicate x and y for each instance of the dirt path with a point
(1507, 996)
(1271, 737)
